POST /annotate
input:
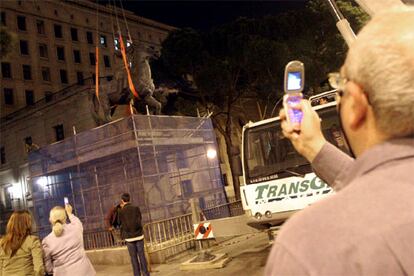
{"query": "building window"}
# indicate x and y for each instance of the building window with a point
(74, 34)
(116, 44)
(60, 51)
(24, 47)
(45, 73)
(6, 70)
(89, 37)
(48, 96)
(3, 18)
(79, 77)
(94, 78)
(28, 144)
(76, 56)
(28, 140)
(63, 76)
(182, 161)
(107, 61)
(30, 100)
(187, 186)
(40, 26)
(27, 72)
(102, 40)
(8, 197)
(43, 50)
(3, 155)
(58, 31)
(56, 13)
(21, 23)
(92, 58)
(60, 135)
(8, 96)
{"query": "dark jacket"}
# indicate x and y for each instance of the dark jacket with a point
(130, 218)
(112, 217)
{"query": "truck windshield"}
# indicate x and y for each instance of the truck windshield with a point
(269, 155)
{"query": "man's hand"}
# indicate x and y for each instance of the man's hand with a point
(68, 209)
(309, 140)
(110, 229)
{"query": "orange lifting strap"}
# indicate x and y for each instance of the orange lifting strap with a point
(97, 72)
(124, 57)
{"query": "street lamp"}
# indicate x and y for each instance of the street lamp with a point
(42, 181)
(211, 153)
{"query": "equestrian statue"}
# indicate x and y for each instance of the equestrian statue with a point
(117, 92)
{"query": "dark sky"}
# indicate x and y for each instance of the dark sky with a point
(206, 14)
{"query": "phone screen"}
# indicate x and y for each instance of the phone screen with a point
(66, 200)
(294, 81)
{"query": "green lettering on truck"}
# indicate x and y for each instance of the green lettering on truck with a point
(304, 186)
(314, 185)
(260, 189)
(272, 191)
(293, 189)
(282, 190)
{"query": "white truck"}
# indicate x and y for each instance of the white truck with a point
(277, 180)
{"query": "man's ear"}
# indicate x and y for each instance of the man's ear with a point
(359, 105)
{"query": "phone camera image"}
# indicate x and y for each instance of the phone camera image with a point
(294, 81)
(66, 200)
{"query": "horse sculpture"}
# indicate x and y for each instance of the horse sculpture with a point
(117, 92)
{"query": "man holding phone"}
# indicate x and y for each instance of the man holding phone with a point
(366, 228)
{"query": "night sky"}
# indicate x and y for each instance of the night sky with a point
(204, 15)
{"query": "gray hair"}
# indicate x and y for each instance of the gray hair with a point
(381, 60)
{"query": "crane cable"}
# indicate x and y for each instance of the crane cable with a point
(126, 22)
(125, 58)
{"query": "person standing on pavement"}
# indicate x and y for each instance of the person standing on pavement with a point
(132, 232)
(20, 251)
(367, 226)
(64, 253)
(113, 222)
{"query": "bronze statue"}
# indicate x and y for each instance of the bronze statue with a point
(117, 92)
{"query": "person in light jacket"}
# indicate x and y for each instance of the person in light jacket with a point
(63, 247)
(20, 251)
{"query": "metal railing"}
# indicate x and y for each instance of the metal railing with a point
(159, 235)
(173, 235)
(169, 233)
(230, 209)
(100, 239)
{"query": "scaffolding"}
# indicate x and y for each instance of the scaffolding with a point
(161, 161)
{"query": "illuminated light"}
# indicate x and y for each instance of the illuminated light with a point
(211, 153)
(42, 181)
(15, 191)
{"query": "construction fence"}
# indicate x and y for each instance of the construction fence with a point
(171, 236)
(162, 161)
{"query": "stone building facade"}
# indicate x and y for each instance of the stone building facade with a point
(46, 79)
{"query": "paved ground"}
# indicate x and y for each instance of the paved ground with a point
(248, 252)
